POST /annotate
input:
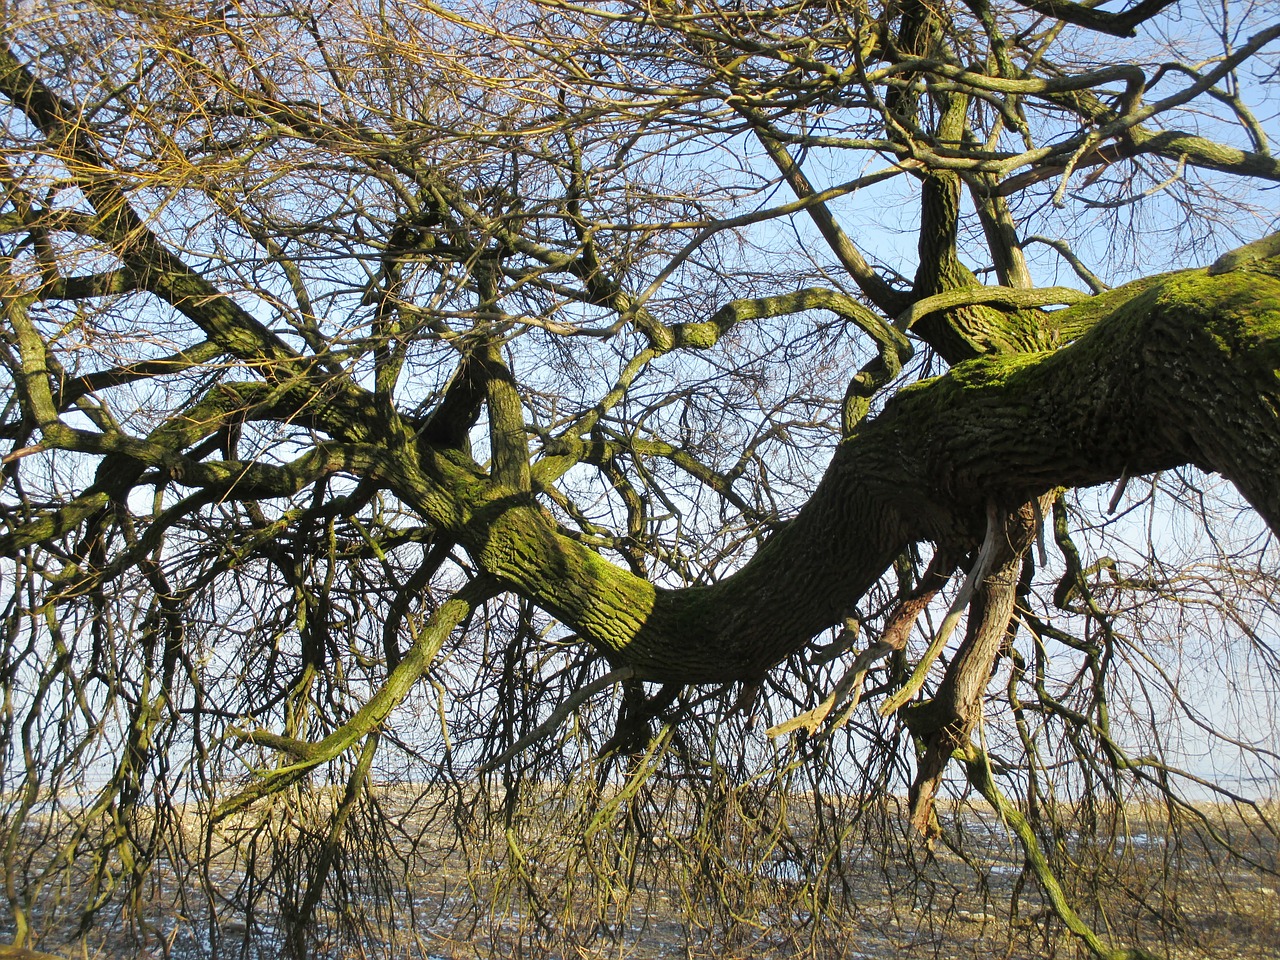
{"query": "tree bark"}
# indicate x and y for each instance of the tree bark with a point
(1182, 370)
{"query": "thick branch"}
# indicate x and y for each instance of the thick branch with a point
(1120, 24)
(1183, 370)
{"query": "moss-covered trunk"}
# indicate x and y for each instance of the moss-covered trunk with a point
(1185, 370)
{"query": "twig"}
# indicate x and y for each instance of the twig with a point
(571, 703)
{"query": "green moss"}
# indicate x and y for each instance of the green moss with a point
(1268, 248)
(51, 525)
(1237, 310)
(697, 336)
(987, 372)
(1076, 321)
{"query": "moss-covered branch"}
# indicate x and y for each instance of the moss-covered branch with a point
(1179, 370)
(370, 716)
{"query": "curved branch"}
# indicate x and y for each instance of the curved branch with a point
(369, 717)
(869, 282)
(1180, 370)
(1120, 24)
(988, 296)
(558, 716)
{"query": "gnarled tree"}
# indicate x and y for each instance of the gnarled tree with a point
(489, 397)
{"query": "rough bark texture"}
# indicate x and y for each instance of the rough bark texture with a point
(1180, 371)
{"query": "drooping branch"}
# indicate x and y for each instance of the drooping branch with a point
(944, 723)
(978, 768)
(371, 715)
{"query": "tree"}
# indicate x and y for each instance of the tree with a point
(556, 368)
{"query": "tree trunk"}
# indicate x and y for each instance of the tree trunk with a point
(1183, 370)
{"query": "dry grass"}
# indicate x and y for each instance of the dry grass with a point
(554, 883)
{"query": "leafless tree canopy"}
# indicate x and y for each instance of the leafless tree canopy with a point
(647, 454)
